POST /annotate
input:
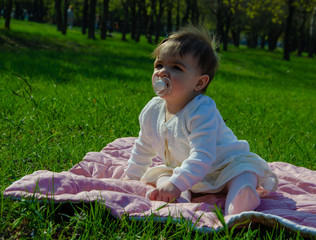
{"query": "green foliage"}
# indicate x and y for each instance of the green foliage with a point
(63, 96)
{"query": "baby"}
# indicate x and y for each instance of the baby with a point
(184, 128)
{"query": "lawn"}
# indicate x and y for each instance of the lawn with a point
(63, 96)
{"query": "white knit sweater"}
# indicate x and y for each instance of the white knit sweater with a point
(197, 137)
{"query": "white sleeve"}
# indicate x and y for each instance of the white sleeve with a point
(142, 153)
(202, 125)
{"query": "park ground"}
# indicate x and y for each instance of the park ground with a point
(63, 96)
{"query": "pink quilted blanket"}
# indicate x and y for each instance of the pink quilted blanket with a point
(97, 178)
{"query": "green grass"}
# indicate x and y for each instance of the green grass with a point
(63, 96)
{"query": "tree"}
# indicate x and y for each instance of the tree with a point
(301, 31)
(38, 11)
(254, 10)
(169, 15)
(151, 22)
(288, 29)
(85, 13)
(158, 20)
(18, 11)
(65, 15)
(275, 19)
(7, 14)
(134, 18)
(59, 19)
(91, 19)
(274, 32)
(226, 8)
(104, 18)
(195, 12)
(142, 19)
(185, 19)
(311, 48)
(264, 19)
(220, 21)
(237, 21)
(125, 5)
(178, 15)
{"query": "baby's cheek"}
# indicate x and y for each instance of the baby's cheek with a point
(180, 87)
(178, 84)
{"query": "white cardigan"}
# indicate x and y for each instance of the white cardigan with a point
(197, 137)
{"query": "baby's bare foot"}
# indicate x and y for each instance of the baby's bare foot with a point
(152, 194)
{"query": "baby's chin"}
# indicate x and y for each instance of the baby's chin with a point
(165, 97)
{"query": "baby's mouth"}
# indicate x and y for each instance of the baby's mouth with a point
(162, 86)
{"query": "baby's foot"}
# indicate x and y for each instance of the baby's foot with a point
(246, 199)
(152, 194)
(185, 196)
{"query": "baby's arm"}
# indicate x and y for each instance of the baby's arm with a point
(202, 125)
(142, 153)
(141, 158)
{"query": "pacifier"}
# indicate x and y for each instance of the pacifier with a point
(162, 86)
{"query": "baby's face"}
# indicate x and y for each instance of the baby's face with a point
(182, 71)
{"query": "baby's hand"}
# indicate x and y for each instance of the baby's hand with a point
(167, 193)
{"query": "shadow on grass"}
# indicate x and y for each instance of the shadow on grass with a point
(39, 56)
(15, 40)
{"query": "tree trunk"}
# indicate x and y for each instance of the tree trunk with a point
(219, 22)
(158, 18)
(274, 33)
(91, 21)
(301, 38)
(263, 41)
(64, 28)
(35, 10)
(151, 24)
(185, 19)
(252, 37)
(18, 11)
(236, 37)
(85, 16)
(104, 18)
(227, 27)
(288, 29)
(141, 19)
(134, 19)
(124, 28)
(7, 14)
(169, 16)
(58, 15)
(178, 15)
(40, 9)
(195, 12)
(311, 48)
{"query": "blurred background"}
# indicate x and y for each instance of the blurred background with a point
(270, 24)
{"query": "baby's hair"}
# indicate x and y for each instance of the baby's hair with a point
(196, 41)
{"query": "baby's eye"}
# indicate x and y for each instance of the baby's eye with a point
(175, 67)
(158, 66)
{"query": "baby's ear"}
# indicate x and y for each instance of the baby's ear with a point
(202, 82)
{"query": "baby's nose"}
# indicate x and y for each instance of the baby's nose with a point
(163, 72)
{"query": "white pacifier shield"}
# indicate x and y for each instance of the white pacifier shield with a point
(162, 86)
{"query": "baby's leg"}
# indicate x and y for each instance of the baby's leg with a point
(184, 197)
(242, 194)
